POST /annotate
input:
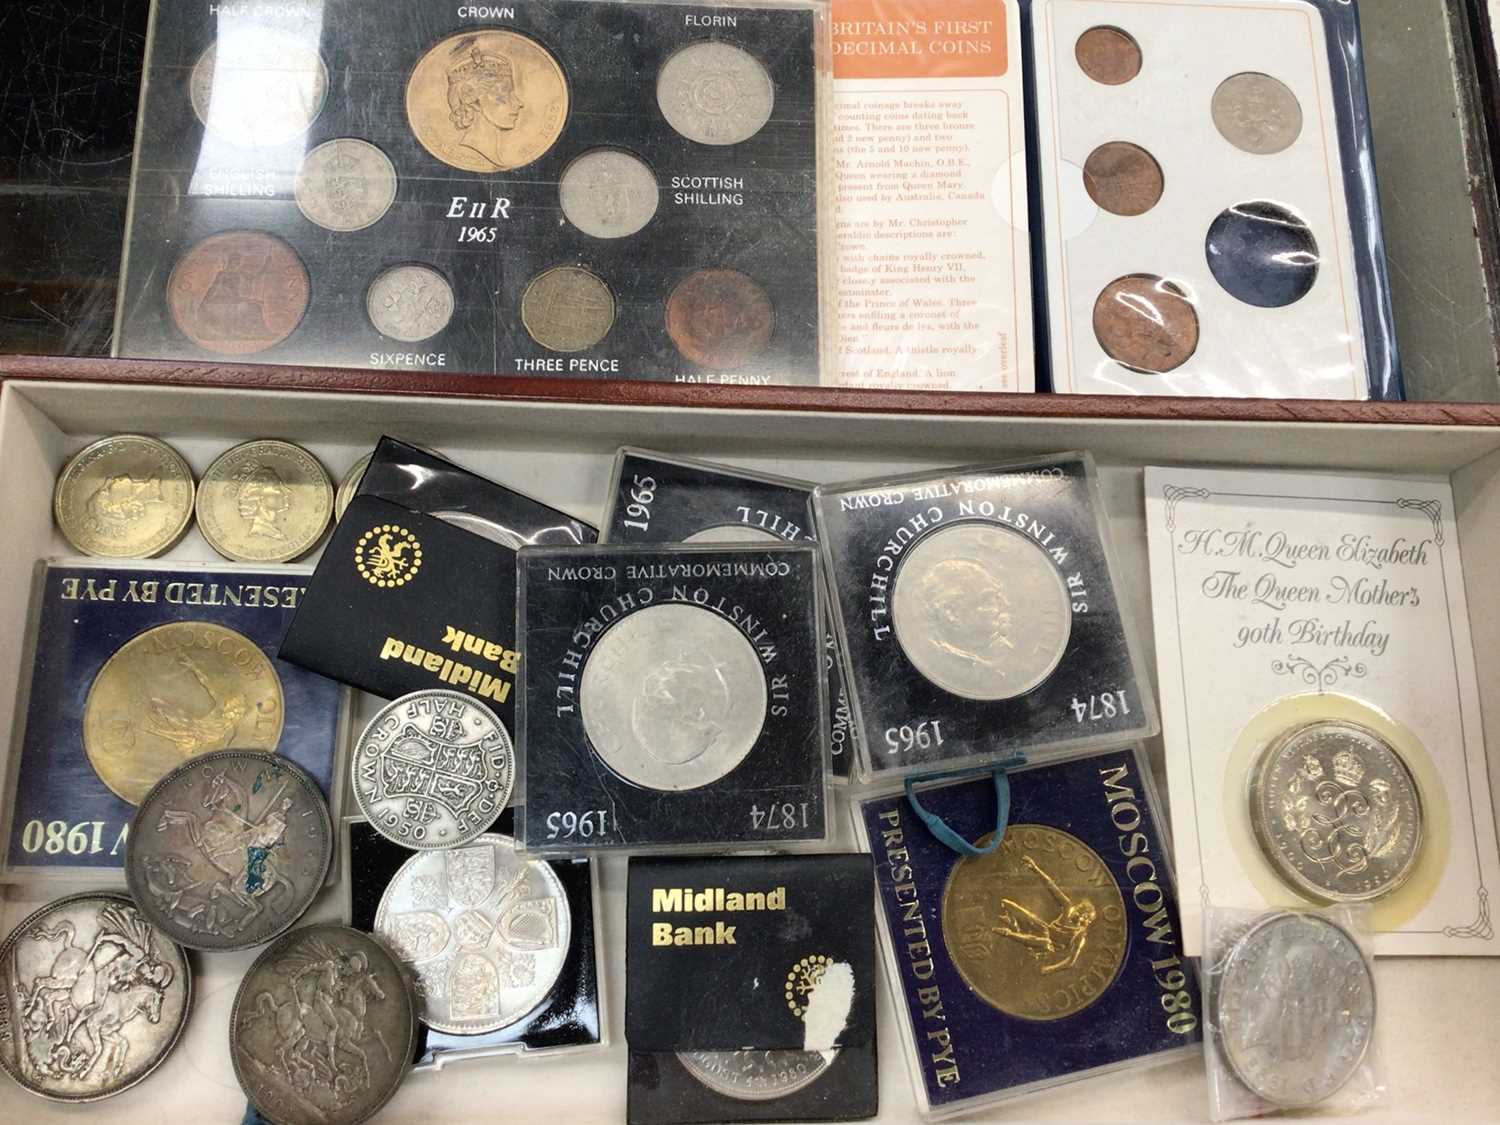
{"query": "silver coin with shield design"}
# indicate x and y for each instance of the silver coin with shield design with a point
(756, 1076)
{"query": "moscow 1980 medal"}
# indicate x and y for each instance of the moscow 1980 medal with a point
(483, 931)
(94, 998)
(124, 497)
(756, 1075)
(264, 501)
(433, 769)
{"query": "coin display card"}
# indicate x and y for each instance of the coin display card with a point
(136, 669)
(465, 908)
(977, 614)
(1211, 224)
(1056, 956)
(671, 697)
(581, 188)
(660, 498)
(1322, 722)
(750, 989)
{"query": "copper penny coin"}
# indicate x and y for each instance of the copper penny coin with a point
(1108, 55)
(238, 292)
(720, 318)
(1146, 323)
(1123, 178)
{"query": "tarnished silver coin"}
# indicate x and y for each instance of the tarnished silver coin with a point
(349, 485)
(228, 850)
(608, 193)
(1336, 811)
(981, 611)
(94, 998)
(1257, 113)
(715, 93)
(433, 769)
(258, 87)
(1295, 1009)
(345, 184)
(483, 931)
(733, 533)
(323, 1028)
(672, 697)
(756, 1076)
(410, 303)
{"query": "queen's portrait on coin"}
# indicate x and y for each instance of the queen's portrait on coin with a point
(484, 103)
(681, 709)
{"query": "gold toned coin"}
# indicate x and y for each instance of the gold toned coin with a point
(567, 309)
(487, 101)
(1037, 927)
(1146, 323)
(172, 693)
(264, 501)
(124, 497)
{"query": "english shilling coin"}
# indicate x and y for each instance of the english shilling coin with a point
(95, 998)
(124, 497)
(715, 93)
(264, 501)
(345, 184)
(756, 1076)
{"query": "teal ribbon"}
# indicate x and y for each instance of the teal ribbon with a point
(939, 827)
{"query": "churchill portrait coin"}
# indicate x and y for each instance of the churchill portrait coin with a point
(1294, 1009)
(124, 497)
(720, 318)
(1257, 113)
(229, 850)
(323, 1028)
(715, 93)
(672, 697)
(1336, 811)
(238, 293)
(258, 87)
(1146, 323)
(95, 998)
(264, 501)
(567, 309)
(174, 693)
(756, 1076)
(345, 184)
(433, 769)
(980, 611)
(483, 932)
(608, 193)
(409, 303)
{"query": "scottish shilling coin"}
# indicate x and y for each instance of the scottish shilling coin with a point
(567, 309)
(483, 932)
(1295, 1009)
(409, 303)
(1037, 927)
(174, 693)
(433, 769)
(672, 697)
(258, 87)
(756, 1076)
(94, 998)
(345, 184)
(238, 293)
(715, 93)
(608, 193)
(720, 318)
(1336, 811)
(1256, 113)
(1146, 323)
(124, 497)
(981, 611)
(264, 501)
(229, 850)
(323, 1028)
(487, 101)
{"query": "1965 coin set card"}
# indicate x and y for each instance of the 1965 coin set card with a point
(671, 696)
(978, 617)
(582, 188)
(136, 669)
(1053, 957)
(658, 498)
(1207, 182)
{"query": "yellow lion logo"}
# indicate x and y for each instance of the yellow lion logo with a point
(388, 555)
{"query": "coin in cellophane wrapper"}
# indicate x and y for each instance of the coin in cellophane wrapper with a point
(264, 501)
(345, 184)
(124, 497)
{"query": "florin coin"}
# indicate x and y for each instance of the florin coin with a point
(672, 697)
(483, 931)
(1295, 1009)
(1123, 178)
(980, 611)
(487, 101)
(1108, 55)
(345, 184)
(1037, 927)
(409, 303)
(349, 485)
(1146, 323)
(238, 292)
(756, 1076)
(124, 497)
(608, 193)
(720, 318)
(433, 769)
(1336, 812)
(1257, 113)
(484, 528)
(174, 693)
(264, 501)
(94, 998)
(567, 309)
(715, 93)
(229, 850)
(323, 1028)
(733, 533)
(258, 87)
